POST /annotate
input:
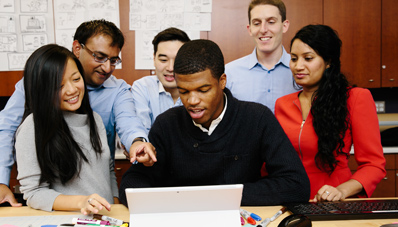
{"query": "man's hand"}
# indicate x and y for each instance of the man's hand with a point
(143, 152)
(6, 195)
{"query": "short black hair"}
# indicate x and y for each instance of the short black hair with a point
(169, 34)
(91, 28)
(197, 56)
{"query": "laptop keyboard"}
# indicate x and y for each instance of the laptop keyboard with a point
(345, 210)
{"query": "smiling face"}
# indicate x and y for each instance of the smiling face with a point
(266, 27)
(202, 96)
(72, 88)
(164, 62)
(306, 65)
(96, 73)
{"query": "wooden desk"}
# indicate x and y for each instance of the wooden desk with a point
(121, 212)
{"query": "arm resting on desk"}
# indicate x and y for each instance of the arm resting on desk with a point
(86, 204)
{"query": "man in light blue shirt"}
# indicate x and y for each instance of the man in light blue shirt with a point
(153, 95)
(97, 44)
(264, 75)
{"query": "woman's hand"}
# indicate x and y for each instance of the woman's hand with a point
(93, 204)
(344, 190)
(329, 193)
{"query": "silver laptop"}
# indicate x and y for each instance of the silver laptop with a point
(194, 206)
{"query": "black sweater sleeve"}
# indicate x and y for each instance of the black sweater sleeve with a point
(287, 180)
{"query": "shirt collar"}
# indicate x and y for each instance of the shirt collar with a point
(161, 88)
(215, 122)
(109, 83)
(284, 60)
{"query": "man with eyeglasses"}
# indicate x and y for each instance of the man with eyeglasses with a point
(97, 44)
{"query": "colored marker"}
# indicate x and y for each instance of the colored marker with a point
(97, 225)
(113, 221)
(242, 221)
(268, 220)
(101, 225)
(255, 216)
(89, 221)
(246, 215)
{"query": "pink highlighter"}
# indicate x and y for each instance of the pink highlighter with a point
(242, 220)
(89, 221)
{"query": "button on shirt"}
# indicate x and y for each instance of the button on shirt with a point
(151, 99)
(248, 80)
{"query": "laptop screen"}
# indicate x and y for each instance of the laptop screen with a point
(216, 205)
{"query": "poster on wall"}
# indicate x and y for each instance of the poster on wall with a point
(149, 17)
(68, 15)
(25, 25)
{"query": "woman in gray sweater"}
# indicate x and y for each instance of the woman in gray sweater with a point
(63, 159)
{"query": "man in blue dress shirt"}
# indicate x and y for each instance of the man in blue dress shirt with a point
(97, 44)
(153, 95)
(264, 75)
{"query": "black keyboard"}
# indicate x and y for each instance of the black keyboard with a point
(346, 210)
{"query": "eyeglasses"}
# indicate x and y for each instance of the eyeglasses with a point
(114, 60)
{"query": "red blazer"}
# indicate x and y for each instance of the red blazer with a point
(364, 134)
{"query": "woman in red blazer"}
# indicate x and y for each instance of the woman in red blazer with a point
(327, 117)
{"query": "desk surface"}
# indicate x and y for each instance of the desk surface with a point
(121, 212)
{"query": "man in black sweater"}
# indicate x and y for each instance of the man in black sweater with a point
(216, 139)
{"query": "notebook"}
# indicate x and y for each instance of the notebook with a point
(193, 206)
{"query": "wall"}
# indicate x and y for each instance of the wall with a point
(229, 20)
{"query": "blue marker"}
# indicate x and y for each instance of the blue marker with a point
(252, 215)
(255, 217)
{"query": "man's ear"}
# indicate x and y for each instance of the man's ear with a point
(249, 30)
(286, 24)
(76, 48)
(223, 81)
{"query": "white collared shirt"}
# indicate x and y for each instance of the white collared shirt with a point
(215, 122)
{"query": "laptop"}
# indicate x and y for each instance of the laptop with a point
(193, 206)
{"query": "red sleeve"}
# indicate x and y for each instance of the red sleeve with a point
(366, 138)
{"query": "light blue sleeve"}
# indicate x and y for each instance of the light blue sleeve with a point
(229, 76)
(142, 104)
(128, 125)
(10, 118)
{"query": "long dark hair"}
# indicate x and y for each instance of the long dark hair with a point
(58, 154)
(329, 103)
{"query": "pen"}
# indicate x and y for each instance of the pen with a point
(113, 221)
(246, 215)
(100, 225)
(89, 221)
(268, 220)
